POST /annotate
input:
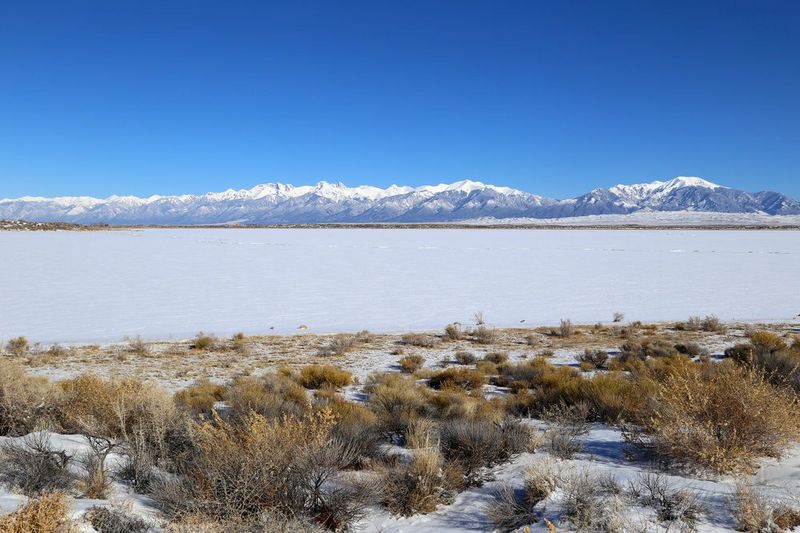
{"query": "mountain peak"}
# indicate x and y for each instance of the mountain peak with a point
(278, 203)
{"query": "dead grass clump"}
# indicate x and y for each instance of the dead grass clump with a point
(460, 377)
(565, 328)
(18, 346)
(419, 339)
(48, 513)
(200, 397)
(25, 401)
(721, 417)
(319, 376)
(483, 334)
(421, 485)
(594, 358)
(411, 363)
(464, 357)
(453, 332)
(34, 467)
(204, 342)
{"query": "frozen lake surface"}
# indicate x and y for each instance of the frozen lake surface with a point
(102, 286)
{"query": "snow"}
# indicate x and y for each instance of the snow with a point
(647, 217)
(102, 286)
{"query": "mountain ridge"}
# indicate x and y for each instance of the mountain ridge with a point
(271, 203)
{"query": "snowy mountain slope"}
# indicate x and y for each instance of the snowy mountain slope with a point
(275, 203)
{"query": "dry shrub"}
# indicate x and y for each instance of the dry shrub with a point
(342, 343)
(565, 328)
(46, 514)
(411, 363)
(204, 342)
(483, 334)
(567, 424)
(94, 481)
(110, 520)
(25, 401)
(712, 324)
(319, 376)
(271, 396)
(511, 509)
(289, 466)
(453, 332)
(200, 397)
(674, 506)
(589, 504)
(478, 444)
(647, 348)
(487, 368)
(265, 522)
(767, 342)
(615, 398)
(546, 385)
(422, 433)
(497, 358)
(769, 354)
(692, 349)
(111, 408)
(137, 345)
(464, 357)
(18, 346)
(754, 512)
(421, 485)
(450, 403)
(34, 467)
(594, 358)
(464, 378)
(721, 417)
(397, 402)
(419, 339)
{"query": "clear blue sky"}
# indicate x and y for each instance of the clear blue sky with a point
(552, 97)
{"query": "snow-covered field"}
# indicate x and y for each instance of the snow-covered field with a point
(100, 286)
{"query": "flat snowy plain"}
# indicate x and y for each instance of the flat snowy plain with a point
(170, 283)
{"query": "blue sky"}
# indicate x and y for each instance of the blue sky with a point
(551, 97)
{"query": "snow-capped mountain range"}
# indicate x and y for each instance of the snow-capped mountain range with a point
(278, 203)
